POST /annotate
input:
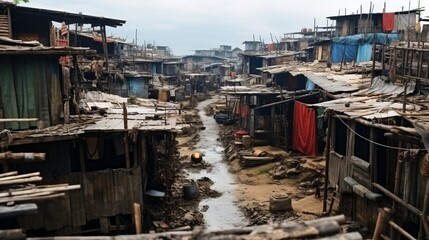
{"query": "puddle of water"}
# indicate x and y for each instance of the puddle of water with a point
(222, 212)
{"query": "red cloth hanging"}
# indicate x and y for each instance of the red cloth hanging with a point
(388, 22)
(304, 136)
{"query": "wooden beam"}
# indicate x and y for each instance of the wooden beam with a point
(19, 119)
(22, 157)
(384, 215)
(401, 231)
(398, 200)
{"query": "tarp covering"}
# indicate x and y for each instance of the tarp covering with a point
(388, 22)
(304, 136)
(343, 52)
(358, 47)
(30, 88)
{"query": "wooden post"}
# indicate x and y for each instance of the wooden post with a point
(126, 147)
(104, 38)
(373, 58)
(383, 218)
(424, 226)
(137, 218)
(327, 156)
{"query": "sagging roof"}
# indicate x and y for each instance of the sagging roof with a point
(367, 107)
(60, 16)
(381, 100)
(145, 115)
(330, 81)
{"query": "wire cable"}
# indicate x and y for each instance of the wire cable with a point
(371, 141)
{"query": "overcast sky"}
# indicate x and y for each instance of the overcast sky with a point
(186, 25)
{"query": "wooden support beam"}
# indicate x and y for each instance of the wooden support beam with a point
(39, 189)
(401, 231)
(398, 200)
(384, 215)
(137, 218)
(22, 157)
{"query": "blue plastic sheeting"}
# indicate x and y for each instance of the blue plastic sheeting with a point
(364, 53)
(310, 86)
(358, 47)
(342, 52)
(359, 39)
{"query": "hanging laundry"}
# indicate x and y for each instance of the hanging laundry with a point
(304, 136)
(388, 22)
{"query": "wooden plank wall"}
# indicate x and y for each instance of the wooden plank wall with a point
(103, 194)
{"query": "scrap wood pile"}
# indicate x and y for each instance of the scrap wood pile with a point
(18, 189)
(323, 228)
(258, 156)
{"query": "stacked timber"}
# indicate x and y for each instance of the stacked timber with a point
(323, 228)
(17, 191)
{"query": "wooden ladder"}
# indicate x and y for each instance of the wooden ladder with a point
(5, 29)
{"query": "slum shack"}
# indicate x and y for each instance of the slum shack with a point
(275, 114)
(116, 159)
(377, 156)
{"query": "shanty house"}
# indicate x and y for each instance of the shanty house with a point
(193, 63)
(397, 22)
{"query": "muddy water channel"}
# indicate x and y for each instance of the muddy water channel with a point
(222, 212)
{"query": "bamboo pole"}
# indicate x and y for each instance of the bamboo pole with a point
(35, 174)
(19, 192)
(20, 181)
(8, 174)
(33, 197)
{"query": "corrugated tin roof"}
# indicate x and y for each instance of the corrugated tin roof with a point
(329, 82)
(367, 107)
(380, 86)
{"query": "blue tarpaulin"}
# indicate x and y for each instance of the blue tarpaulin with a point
(358, 47)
